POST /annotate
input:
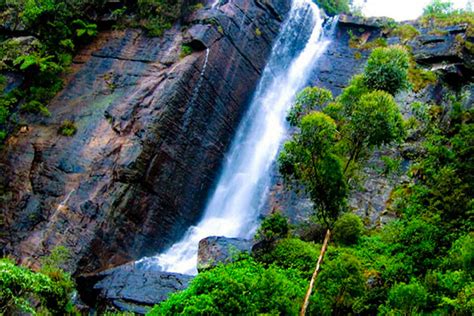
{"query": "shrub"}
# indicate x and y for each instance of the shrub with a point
(339, 284)
(19, 285)
(387, 69)
(185, 51)
(407, 298)
(293, 253)
(420, 78)
(67, 128)
(348, 229)
(405, 32)
(35, 107)
(243, 287)
(158, 15)
(334, 7)
(273, 227)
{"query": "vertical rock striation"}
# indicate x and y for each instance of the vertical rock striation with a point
(152, 132)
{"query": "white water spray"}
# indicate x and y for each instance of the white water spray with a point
(233, 208)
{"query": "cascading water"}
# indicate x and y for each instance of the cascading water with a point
(233, 208)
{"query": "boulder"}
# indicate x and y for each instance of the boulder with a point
(129, 288)
(214, 250)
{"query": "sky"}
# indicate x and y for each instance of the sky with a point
(399, 9)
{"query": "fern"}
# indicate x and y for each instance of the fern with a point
(89, 29)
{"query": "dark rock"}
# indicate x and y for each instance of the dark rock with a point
(152, 130)
(364, 22)
(214, 250)
(128, 288)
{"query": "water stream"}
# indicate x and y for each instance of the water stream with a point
(233, 207)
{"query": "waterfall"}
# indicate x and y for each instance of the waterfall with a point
(233, 207)
(197, 88)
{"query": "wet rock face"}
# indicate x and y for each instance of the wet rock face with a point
(214, 250)
(152, 129)
(128, 288)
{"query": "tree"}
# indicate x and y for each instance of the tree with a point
(438, 8)
(273, 227)
(309, 159)
(374, 120)
(407, 298)
(307, 100)
(348, 229)
(387, 69)
(340, 283)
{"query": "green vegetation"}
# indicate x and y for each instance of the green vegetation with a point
(185, 51)
(156, 16)
(67, 128)
(348, 229)
(57, 28)
(241, 288)
(310, 159)
(327, 144)
(405, 32)
(387, 69)
(442, 13)
(420, 263)
(273, 227)
(334, 7)
(292, 253)
(51, 288)
(420, 78)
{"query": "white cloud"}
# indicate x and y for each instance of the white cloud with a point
(398, 9)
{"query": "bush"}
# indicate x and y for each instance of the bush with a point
(293, 253)
(407, 298)
(405, 32)
(387, 69)
(339, 284)
(273, 227)
(241, 288)
(67, 128)
(158, 15)
(348, 229)
(185, 51)
(19, 286)
(334, 7)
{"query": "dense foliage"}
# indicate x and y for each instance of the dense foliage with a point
(56, 29)
(334, 7)
(47, 292)
(241, 288)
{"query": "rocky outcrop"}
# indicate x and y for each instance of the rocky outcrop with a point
(214, 250)
(152, 129)
(129, 288)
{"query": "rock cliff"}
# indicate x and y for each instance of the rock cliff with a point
(152, 128)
